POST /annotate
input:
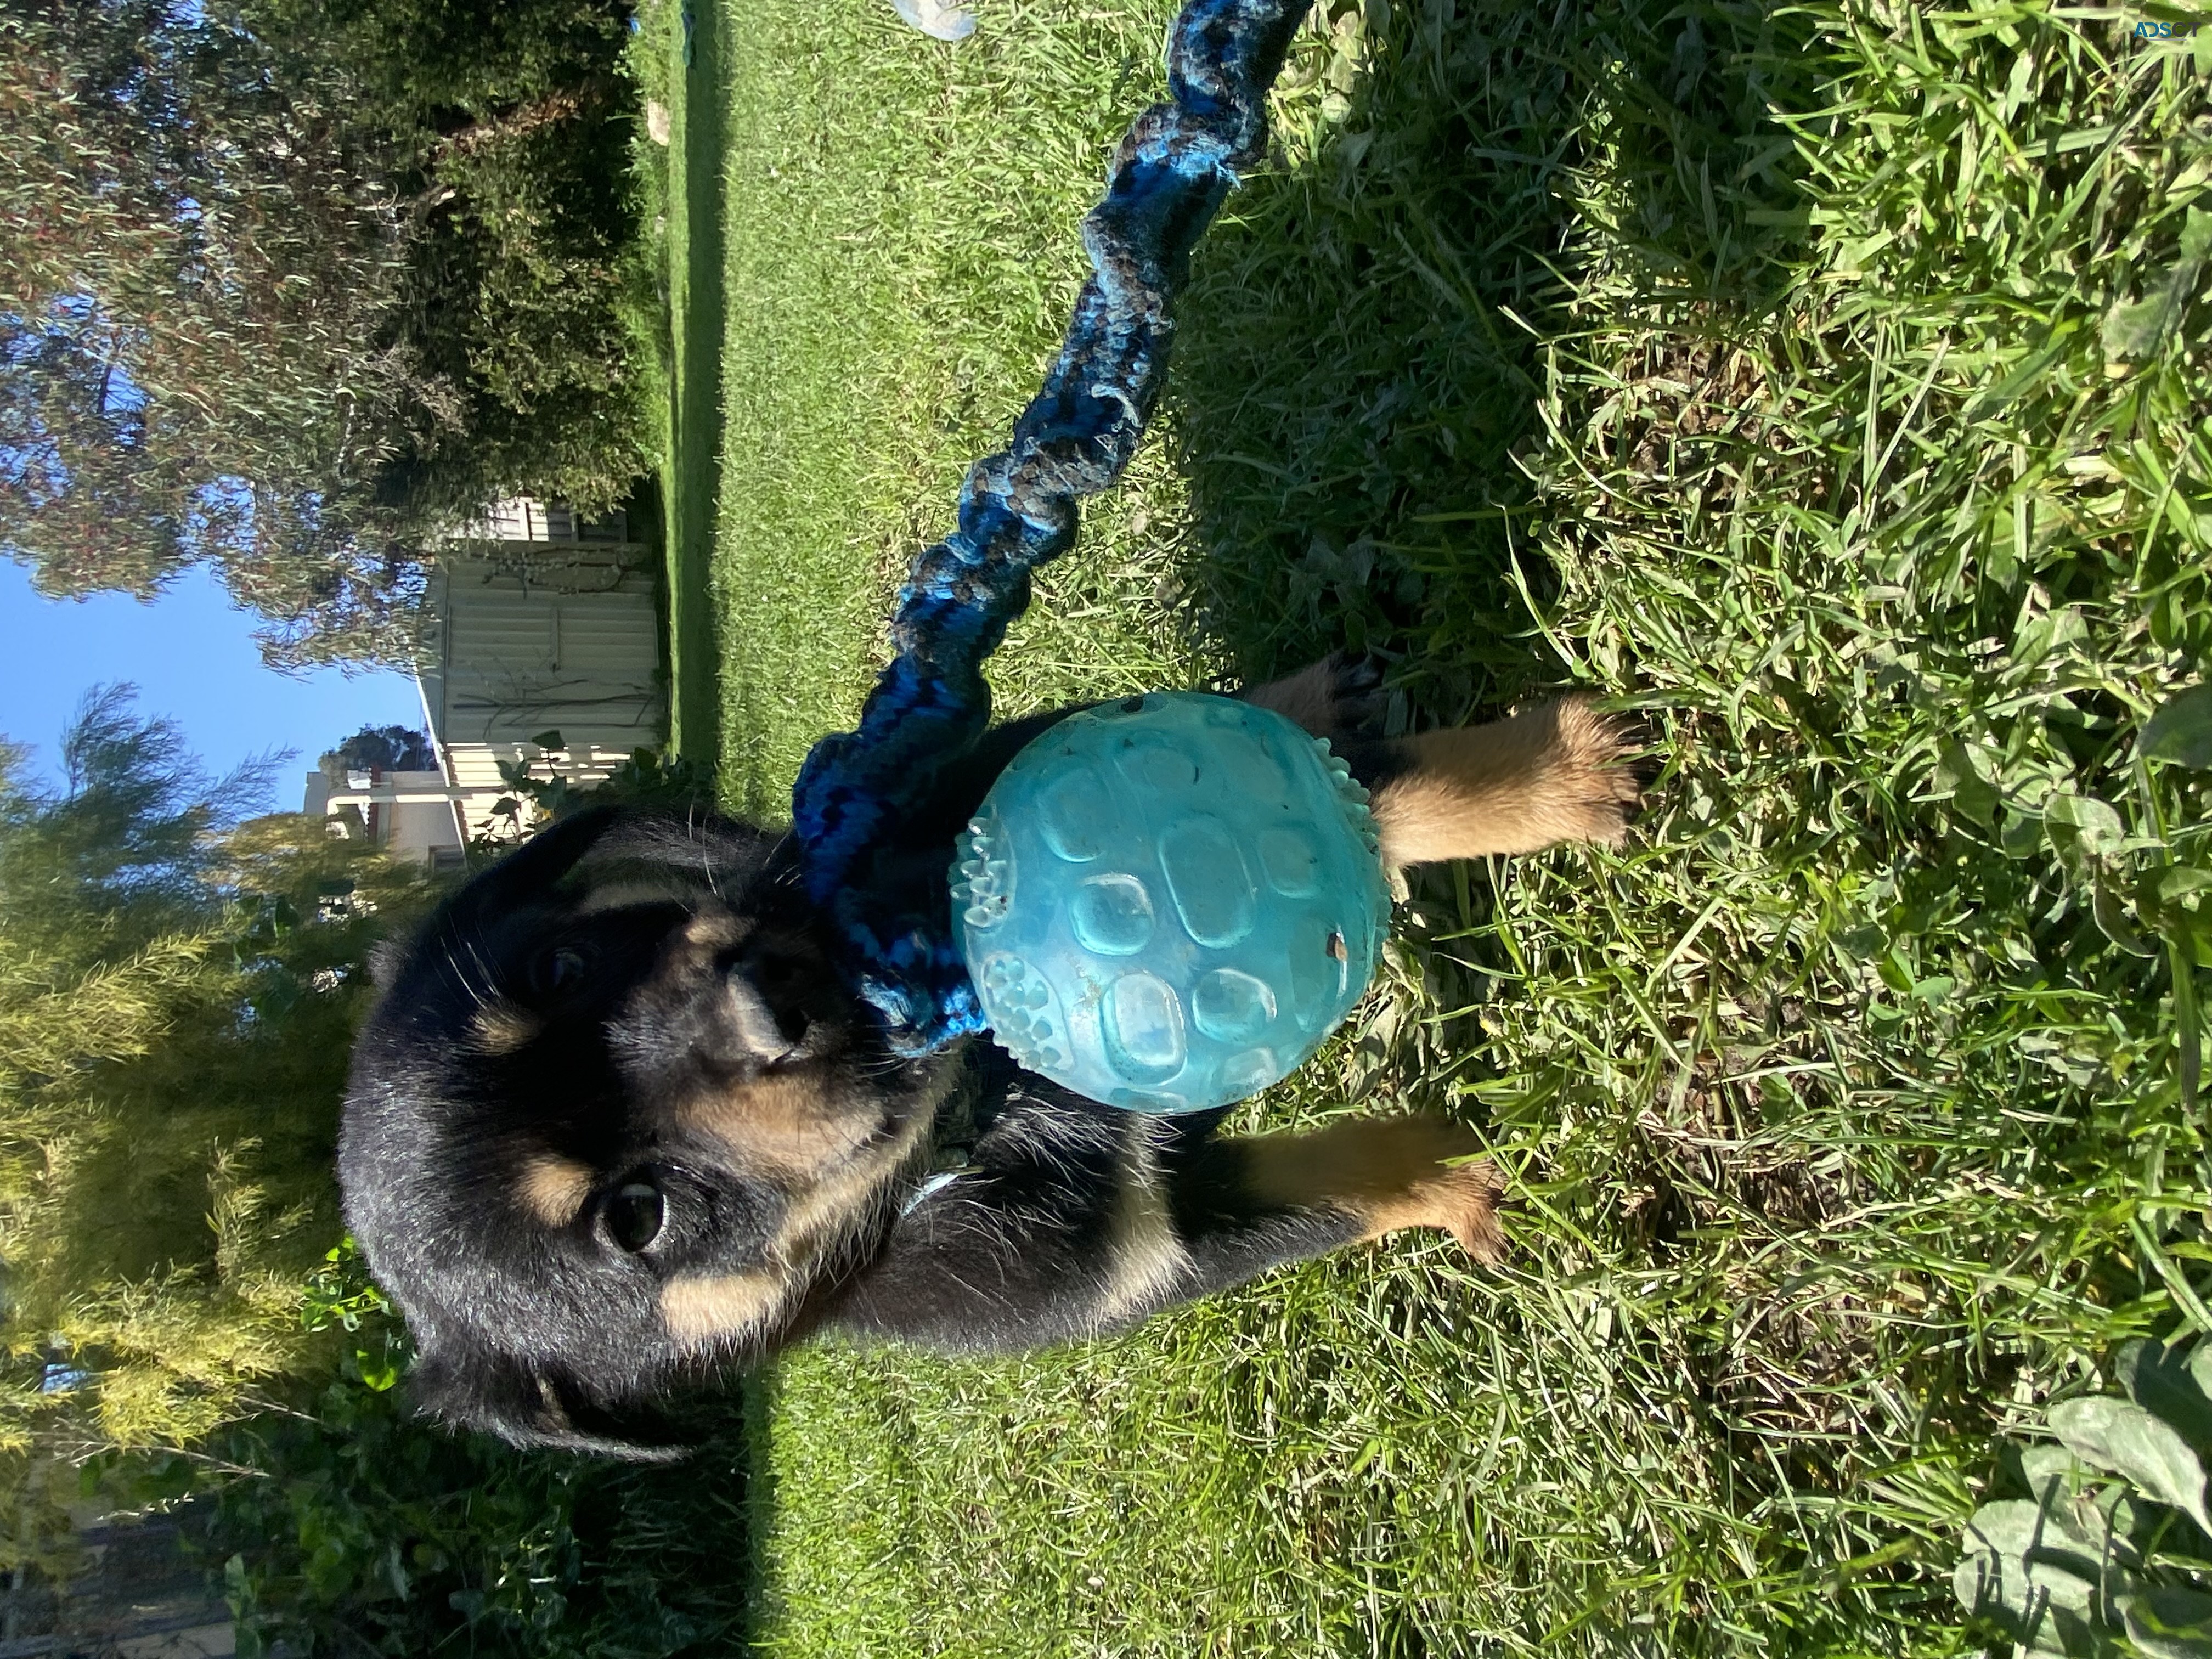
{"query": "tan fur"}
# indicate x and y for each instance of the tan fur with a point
(1390, 1172)
(719, 1307)
(501, 1028)
(655, 889)
(829, 1206)
(781, 1124)
(553, 1188)
(708, 931)
(703, 1308)
(794, 1127)
(1146, 1258)
(1308, 697)
(1550, 773)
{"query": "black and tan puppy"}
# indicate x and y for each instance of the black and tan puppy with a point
(616, 1125)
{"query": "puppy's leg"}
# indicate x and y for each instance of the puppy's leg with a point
(1385, 1174)
(1083, 1227)
(1557, 772)
(1228, 1211)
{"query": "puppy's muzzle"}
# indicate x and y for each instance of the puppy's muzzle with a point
(757, 1027)
(720, 1007)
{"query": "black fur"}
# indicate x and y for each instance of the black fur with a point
(644, 1000)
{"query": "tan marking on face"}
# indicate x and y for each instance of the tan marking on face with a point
(637, 890)
(553, 1188)
(717, 930)
(1389, 1172)
(781, 1124)
(502, 1027)
(823, 1212)
(825, 1208)
(1145, 1257)
(695, 944)
(705, 1308)
(1550, 773)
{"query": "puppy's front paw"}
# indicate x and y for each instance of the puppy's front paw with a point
(1593, 778)
(1442, 1184)
(1462, 1200)
(1388, 1173)
(1341, 695)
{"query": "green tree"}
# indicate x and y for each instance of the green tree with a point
(292, 289)
(178, 992)
(202, 248)
(506, 125)
(392, 748)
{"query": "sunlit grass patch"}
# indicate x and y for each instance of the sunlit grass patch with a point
(901, 248)
(1829, 384)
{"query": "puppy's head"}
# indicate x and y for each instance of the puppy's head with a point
(612, 1117)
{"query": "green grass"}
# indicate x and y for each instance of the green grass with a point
(1798, 376)
(677, 60)
(894, 289)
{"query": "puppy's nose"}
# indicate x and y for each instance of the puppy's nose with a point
(757, 1028)
(717, 999)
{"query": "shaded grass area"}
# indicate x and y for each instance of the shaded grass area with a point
(684, 48)
(389, 1535)
(1828, 382)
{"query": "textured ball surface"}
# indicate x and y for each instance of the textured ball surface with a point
(1166, 903)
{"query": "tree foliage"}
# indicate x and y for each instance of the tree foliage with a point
(388, 748)
(178, 992)
(290, 289)
(507, 127)
(192, 363)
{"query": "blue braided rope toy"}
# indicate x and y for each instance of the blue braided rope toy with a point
(1017, 510)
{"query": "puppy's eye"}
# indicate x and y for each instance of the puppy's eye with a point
(559, 971)
(636, 1215)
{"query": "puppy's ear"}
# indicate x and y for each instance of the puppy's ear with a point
(530, 1407)
(385, 958)
(539, 862)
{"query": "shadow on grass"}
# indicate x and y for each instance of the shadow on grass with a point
(694, 458)
(1361, 352)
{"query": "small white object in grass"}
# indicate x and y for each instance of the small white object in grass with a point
(656, 121)
(935, 18)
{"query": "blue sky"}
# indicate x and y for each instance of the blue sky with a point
(191, 655)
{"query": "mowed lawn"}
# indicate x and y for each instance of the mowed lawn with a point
(1828, 382)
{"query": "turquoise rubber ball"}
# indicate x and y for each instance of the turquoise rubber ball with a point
(1169, 902)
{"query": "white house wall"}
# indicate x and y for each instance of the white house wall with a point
(574, 648)
(525, 519)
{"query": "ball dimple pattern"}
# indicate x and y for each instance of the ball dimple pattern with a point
(1168, 903)
(1288, 855)
(1232, 1005)
(1213, 891)
(1112, 916)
